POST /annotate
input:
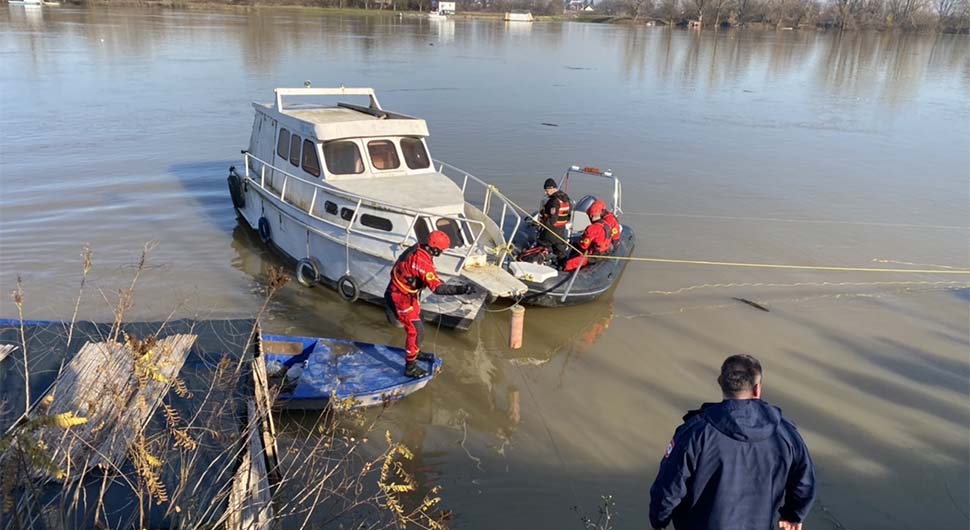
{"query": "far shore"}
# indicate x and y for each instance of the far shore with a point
(568, 16)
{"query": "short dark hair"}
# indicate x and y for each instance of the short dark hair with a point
(739, 373)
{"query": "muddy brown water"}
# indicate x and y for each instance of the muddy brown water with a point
(792, 147)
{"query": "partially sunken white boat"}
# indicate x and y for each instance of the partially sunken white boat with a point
(342, 190)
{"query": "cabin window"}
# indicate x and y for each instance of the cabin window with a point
(346, 214)
(415, 154)
(421, 229)
(374, 221)
(283, 147)
(295, 149)
(383, 155)
(330, 208)
(450, 227)
(343, 158)
(311, 164)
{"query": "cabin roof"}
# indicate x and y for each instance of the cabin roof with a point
(335, 123)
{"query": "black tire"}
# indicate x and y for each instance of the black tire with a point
(236, 190)
(307, 272)
(265, 235)
(347, 288)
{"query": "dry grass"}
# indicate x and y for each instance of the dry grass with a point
(179, 467)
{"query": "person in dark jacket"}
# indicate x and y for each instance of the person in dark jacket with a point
(555, 214)
(734, 465)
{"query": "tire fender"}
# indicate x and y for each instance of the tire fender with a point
(347, 288)
(307, 272)
(236, 190)
(265, 234)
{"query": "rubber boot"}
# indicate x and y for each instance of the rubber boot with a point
(425, 356)
(411, 369)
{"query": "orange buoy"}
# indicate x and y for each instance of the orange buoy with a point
(516, 321)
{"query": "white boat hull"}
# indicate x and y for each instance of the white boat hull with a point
(296, 235)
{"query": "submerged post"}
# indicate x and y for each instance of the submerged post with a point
(516, 322)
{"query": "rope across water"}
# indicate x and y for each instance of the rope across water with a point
(949, 271)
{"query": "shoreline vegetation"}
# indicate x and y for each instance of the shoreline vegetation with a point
(944, 16)
(170, 425)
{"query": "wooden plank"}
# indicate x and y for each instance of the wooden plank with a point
(100, 384)
(175, 348)
(494, 279)
(281, 348)
(264, 403)
(250, 503)
(5, 350)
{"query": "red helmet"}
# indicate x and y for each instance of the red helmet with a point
(439, 241)
(596, 209)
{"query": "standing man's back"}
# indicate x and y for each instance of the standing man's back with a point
(734, 465)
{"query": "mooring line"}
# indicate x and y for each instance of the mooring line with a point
(735, 263)
(880, 260)
(808, 284)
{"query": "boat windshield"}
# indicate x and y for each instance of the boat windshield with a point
(415, 154)
(383, 155)
(343, 158)
(450, 227)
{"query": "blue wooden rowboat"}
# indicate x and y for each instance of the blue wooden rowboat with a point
(309, 371)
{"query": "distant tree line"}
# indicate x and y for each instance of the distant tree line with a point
(537, 7)
(952, 16)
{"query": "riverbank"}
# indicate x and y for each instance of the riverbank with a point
(954, 24)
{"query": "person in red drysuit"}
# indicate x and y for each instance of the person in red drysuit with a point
(413, 271)
(611, 220)
(596, 237)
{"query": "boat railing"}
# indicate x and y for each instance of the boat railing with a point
(493, 205)
(477, 228)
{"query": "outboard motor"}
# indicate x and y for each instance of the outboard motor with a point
(580, 220)
(583, 204)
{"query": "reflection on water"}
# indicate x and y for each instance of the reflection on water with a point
(125, 120)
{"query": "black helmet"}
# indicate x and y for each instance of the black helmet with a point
(549, 183)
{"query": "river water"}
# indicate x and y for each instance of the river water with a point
(781, 147)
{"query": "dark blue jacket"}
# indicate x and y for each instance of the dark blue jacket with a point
(733, 465)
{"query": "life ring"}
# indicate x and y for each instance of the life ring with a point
(236, 190)
(264, 231)
(347, 288)
(307, 272)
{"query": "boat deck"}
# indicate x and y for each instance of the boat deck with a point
(430, 192)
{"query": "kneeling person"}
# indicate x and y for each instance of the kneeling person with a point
(413, 271)
(615, 228)
(596, 238)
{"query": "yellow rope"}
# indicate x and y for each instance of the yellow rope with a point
(733, 263)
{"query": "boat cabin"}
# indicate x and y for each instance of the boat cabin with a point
(363, 150)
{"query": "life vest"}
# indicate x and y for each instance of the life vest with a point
(414, 270)
(614, 232)
(563, 210)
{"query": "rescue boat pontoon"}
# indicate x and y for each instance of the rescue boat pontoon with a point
(342, 190)
(551, 287)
